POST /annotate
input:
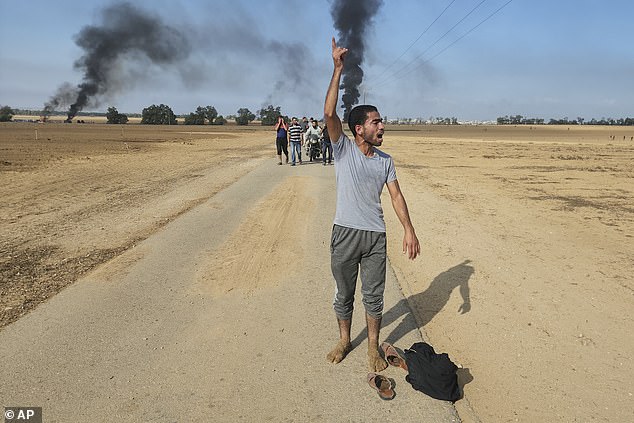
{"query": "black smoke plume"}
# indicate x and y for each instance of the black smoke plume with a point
(351, 19)
(125, 34)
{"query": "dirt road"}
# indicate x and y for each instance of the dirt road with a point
(202, 274)
(222, 315)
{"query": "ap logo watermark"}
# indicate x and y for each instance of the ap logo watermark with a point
(23, 414)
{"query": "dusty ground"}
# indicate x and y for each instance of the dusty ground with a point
(526, 270)
(525, 276)
(81, 194)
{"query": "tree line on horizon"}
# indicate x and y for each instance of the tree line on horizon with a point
(203, 115)
(521, 120)
(155, 114)
(207, 115)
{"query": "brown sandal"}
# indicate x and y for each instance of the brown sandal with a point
(392, 356)
(382, 385)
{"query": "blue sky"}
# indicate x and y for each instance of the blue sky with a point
(548, 59)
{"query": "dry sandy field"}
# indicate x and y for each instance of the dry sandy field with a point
(527, 237)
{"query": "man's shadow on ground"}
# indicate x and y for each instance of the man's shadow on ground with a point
(427, 303)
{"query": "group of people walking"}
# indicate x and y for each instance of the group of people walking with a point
(292, 137)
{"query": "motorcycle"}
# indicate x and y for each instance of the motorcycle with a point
(313, 147)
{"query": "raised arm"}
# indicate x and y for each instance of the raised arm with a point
(330, 107)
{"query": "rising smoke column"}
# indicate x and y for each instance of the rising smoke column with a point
(126, 34)
(352, 19)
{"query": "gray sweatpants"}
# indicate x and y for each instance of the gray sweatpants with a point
(351, 251)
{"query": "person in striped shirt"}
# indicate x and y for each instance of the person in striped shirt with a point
(295, 139)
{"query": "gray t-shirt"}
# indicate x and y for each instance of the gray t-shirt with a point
(360, 180)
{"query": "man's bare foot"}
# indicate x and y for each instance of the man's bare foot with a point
(376, 363)
(340, 352)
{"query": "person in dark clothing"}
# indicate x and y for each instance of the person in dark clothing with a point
(281, 141)
(326, 146)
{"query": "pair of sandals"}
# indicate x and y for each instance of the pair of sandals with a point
(380, 383)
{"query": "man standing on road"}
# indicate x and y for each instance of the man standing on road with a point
(295, 138)
(358, 242)
(326, 146)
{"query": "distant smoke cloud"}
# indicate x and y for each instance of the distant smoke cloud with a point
(125, 34)
(226, 49)
(352, 18)
(293, 58)
(287, 65)
(65, 95)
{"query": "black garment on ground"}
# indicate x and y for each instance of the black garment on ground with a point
(431, 373)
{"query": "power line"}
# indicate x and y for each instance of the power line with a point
(468, 32)
(415, 41)
(396, 74)
(447, 47)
